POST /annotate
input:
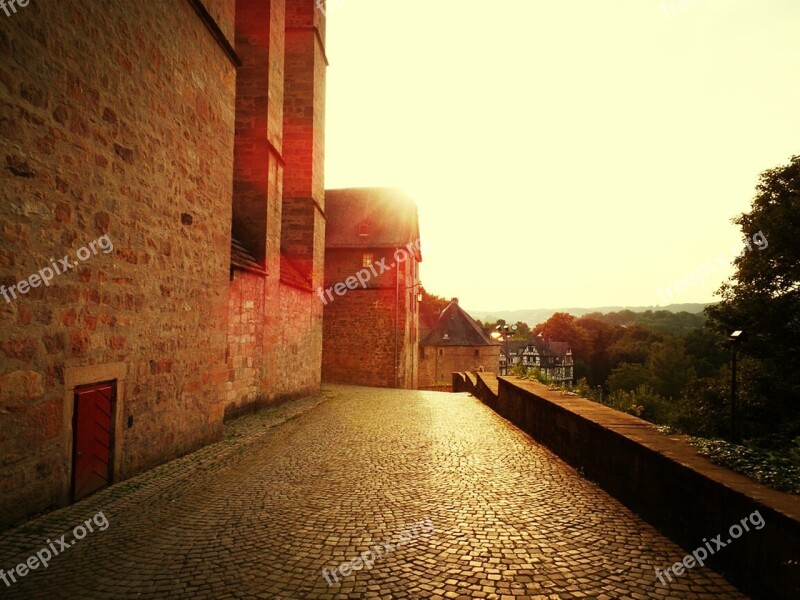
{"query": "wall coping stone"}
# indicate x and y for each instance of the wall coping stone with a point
(663, 478)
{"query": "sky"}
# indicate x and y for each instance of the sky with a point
(570, 153)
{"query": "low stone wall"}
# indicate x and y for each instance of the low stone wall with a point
(662, 478)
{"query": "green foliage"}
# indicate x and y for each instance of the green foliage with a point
(780, 471)
(670, 368)
(563, 327)
(629, 376)
(645, 402)
(584, 390)
(522, 334)
(667, 370)
(661, 321)
(431, 307)
(707, 351)
(632, 344)
(704, 409)
(531, 373)
(763, 299)
(674, 369)
(518, 370)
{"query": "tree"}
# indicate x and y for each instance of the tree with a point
(522, 334)
(763, 296)
(629, 376)
(431, 307)
(633, 344)
(707, 349)
(599, 337)
(670, 367)
(563, 327)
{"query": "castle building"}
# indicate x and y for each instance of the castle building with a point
(174, 159)
(455, 343)
(370, 295)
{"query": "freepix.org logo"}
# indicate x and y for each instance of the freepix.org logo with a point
(374, 269)
(43, 556)
(46, 274)
(10, 6)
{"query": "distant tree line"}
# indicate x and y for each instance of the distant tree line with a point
(675, 368)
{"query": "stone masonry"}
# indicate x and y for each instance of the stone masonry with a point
(371, 330)
(128, 119)
(275, 327)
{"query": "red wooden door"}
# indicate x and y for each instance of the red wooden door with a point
(92, 437)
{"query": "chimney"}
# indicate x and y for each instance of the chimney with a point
(455, 300)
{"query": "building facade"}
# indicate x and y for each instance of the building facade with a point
(274, 345)
(455, 343)
(370, 294)
(183, 184)
(511, 355)
(553, 359)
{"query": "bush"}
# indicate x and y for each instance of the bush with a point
(779, 470)
(644, 402)
(531, 373)
(583, 390)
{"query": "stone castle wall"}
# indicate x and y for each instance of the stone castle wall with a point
(438, 363)
(117, 119)
(359, 326)
(126, 120)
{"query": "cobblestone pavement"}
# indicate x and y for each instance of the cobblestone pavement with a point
(318, 482)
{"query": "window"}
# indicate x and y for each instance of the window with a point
(441, 351)
(367, 259)
(477, 352)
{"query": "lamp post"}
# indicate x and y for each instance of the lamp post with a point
(734, 340)
(505, 332)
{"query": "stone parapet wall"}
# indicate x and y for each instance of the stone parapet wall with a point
(662, 478)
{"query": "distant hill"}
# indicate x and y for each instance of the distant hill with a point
(535, 316)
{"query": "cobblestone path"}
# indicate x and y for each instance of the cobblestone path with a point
(459, 503)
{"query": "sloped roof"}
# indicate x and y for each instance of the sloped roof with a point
(370, 218)
(459, 328)
(291, 275)
(516, 346)
(242, 259)
(548, 348)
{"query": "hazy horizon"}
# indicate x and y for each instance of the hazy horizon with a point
(566, 154)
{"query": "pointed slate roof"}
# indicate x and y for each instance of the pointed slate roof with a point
(456, 328)
(549, 348)
(370, 218)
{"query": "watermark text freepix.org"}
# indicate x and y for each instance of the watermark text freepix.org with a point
(699, 556)
(376, 268)
(368, 557)
(54, 548)
(701, 274)
(5, 5)
(46, 274)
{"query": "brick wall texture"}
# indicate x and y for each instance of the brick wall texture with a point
(359, 330)
(438, 363)
(127, 119)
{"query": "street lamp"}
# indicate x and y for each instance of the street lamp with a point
(505, 332)
(734, 340)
